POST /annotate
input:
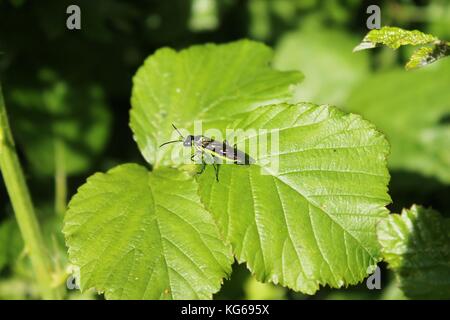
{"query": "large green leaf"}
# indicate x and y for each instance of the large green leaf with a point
(137, 234)
(208, 83)
(416, 245)
(307, 223)
(325, 57)
(413, 110)
(312, 221)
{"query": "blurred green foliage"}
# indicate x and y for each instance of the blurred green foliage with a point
(315, 60)
(415, 121)
(416, 246)
(70, 91)
(58, 124)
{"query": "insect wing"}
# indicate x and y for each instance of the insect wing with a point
(224, 150)
(243, 158)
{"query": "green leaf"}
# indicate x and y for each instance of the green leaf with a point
(412, 109)
(137, 234)
(58, 124)
(416, 245)
(308, 50)
(312, 221)
(420, 58)
(206, 82)
(394, 37)
(426, 55)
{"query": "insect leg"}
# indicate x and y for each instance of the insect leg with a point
(235, 151)
(203, 162)
(202, 168)
(195, 153)
(216, 170)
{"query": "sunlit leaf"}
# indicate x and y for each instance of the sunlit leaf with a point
(426, 55)
(394, 37)
(208, 83)
(136, 234)
(312, 221)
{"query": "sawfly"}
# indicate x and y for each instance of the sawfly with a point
(215, 151)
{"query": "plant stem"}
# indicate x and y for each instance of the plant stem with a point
(60, 178)
(23, 207)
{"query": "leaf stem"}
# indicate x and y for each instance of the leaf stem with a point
(23, 207)
(60, 178)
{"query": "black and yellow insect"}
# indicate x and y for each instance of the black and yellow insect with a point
(216, 151)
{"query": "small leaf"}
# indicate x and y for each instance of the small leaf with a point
(426, 55)
(204, 82)
(421, 57)
(416, 245)
(312, 221)
(136, 234)
(394, 37)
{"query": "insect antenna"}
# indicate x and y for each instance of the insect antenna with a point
(173, 141)
(177, 131)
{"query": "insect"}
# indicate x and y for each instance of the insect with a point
(214, 151)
